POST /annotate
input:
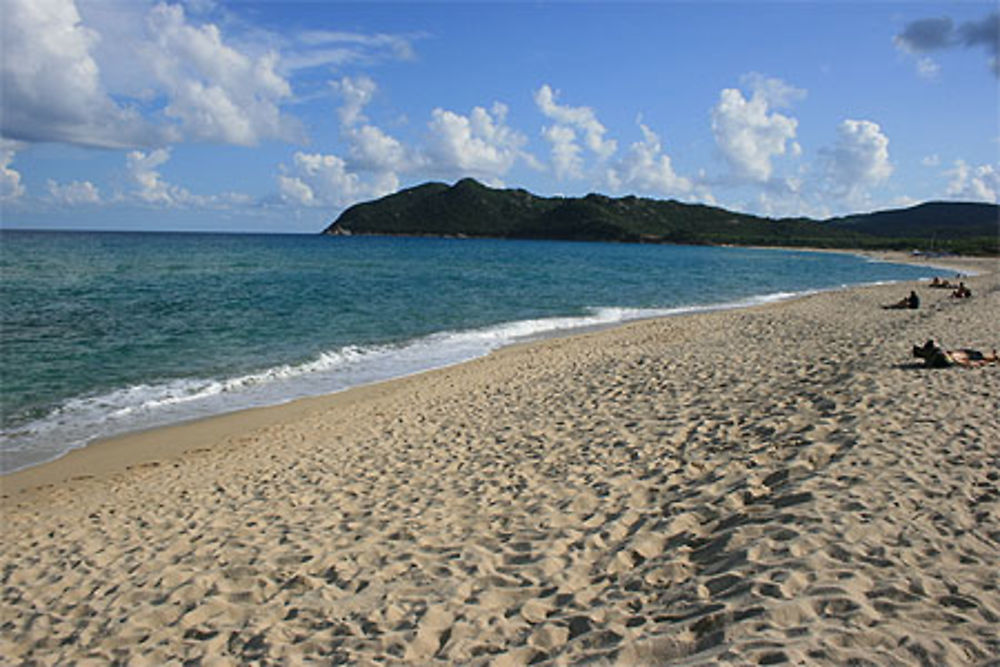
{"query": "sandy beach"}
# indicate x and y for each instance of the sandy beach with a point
(780, 484)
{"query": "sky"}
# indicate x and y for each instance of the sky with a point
(241, 116)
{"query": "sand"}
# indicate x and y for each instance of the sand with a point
(776, 484)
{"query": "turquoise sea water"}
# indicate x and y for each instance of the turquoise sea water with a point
(104, 333)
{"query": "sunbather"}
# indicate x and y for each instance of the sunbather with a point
(935, 356)
(912, 301)
(962, 292)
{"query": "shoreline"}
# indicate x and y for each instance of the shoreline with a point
(116, 453)
(780, 483)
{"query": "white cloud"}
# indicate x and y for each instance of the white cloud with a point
(216, 92)
(777, 93)
(324, 180)
(645, 168)
(294, 190)
(582, 119)
(328, 48)
(57, 68)
(749, 134)
(859, 160)
(10, 179)
(977, 183)
(480, 144)
(398, 45)
(77, 192)
(371, 167)
(931, 160)
(52, 83)
(785, 199)
(150, 188)
(371, 149)
(928, 68)
(566, 159)
(357, 93)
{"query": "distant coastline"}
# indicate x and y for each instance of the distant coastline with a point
(469, 209)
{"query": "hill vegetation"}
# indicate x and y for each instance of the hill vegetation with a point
(470, 209)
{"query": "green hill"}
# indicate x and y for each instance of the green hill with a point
(945, 220)
(471, 209)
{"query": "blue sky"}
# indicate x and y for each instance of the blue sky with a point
(275, 116)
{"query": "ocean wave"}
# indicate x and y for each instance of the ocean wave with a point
(84, 419)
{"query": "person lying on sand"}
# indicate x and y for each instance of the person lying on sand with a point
(962, 292)
(940, 284)
(912, 301)
(936, 357)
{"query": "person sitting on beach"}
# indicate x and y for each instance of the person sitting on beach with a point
(935, 356)
(940, 284)
(962, 292)
(912, 302)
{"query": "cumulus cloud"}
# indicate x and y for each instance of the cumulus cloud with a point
(373, 162)
(566, 153)
(10, 179)
(149, 184)
(777, 93)
(372, 150)
(480, 144)
(928, 35)
(52, 84)
(371, 168)
(320, 179)
(369, 147)
(150, 188)
(566, 159)
(170, 79)
(978, 183)
(646, 168)
(77, 192)
(216, 92)
(324, 180)
(294, 190)
(748, 133)
(859, 160)
(356, 93)
(790, 197)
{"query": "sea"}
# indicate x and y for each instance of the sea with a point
(107, 333)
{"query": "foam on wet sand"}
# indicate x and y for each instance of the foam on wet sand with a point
(753, 486)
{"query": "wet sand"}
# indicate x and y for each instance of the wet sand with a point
(777, 483)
